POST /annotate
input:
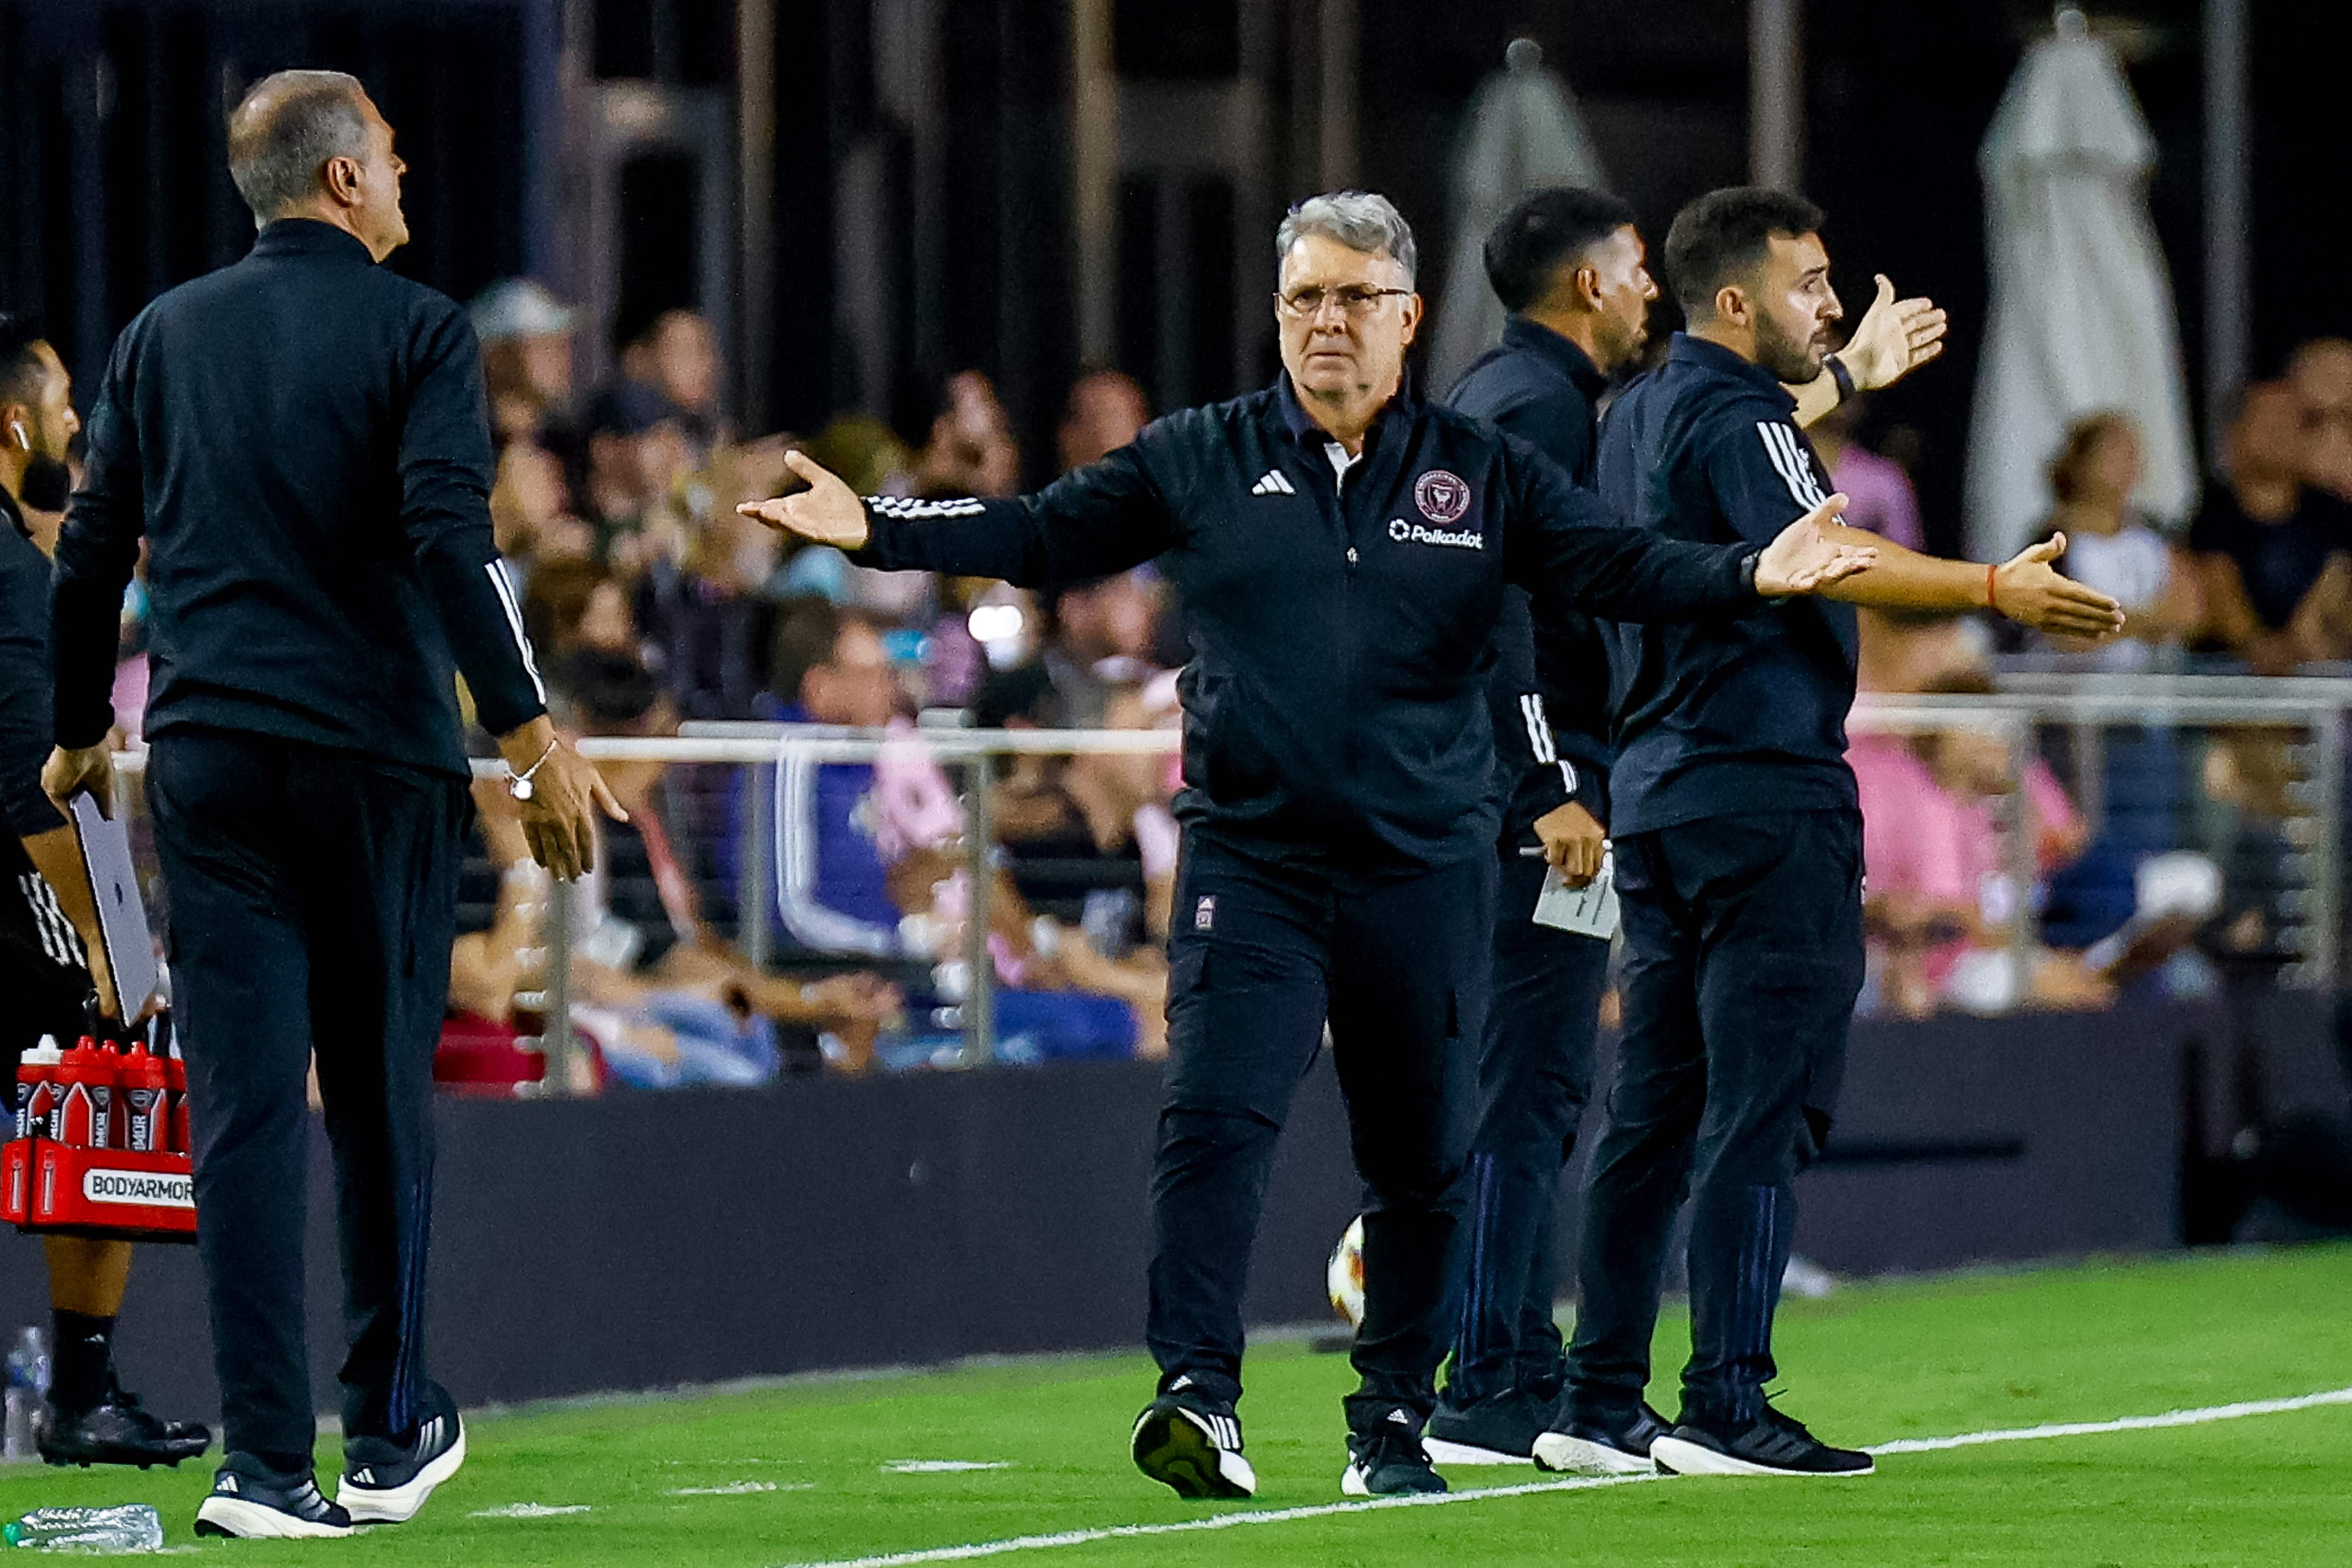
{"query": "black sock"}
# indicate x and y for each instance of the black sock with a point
(85, 1351)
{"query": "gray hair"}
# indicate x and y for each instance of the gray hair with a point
(284, 131)
(1360, 220)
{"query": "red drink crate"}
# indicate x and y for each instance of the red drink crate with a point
(117, 1194)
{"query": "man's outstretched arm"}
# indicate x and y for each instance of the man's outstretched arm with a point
(2026, 588)
(1090, 523)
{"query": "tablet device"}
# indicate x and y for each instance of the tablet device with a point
(122, 918)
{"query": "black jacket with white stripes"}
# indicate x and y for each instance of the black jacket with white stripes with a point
(1335, 706)
(1723, 720)
(1549, 692)
(38, 933)
(303, 439)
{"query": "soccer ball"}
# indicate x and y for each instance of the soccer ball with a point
(1345, 1275)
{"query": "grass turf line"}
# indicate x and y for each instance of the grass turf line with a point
(1881, 1364)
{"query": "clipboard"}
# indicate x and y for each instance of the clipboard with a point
(122, 918)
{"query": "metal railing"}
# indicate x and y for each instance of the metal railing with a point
(2075, 709)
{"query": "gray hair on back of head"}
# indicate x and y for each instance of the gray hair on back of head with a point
(1360, 220)
(283, 132)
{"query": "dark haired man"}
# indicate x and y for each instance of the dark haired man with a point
(1571, 268)
(49, 943)
(303, 440)
(1738, 855)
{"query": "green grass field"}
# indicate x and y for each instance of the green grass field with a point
(810, 1472)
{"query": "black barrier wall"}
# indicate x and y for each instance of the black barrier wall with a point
(650, 1239)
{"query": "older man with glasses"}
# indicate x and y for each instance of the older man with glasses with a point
(1341, 548)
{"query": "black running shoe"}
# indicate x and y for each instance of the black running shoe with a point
(117, 1431)
(253, 1502)
(386, 1482)
(1498, 1429)
(1387, 1458)
(1602, 1446)
(1192, 1445)
(1772, 1445)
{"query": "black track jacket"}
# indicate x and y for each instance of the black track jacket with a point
(1335, 707)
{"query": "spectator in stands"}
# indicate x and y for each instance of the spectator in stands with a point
(526, 337)
(2321, 372)
(531, 512)
(2110, 547)
(968, 450)
(848, 824)
(1106, 411)
(1942, 900)
(1878, 491)
(1098, 635)
(2278, 584)
(648, 964)
(681, 362)
(637, 451)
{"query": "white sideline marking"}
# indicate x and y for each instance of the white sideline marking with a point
(942, 1467)
(742, 1489)
(529, 1510)
(1582, 1483)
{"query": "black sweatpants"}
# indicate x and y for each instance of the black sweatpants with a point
(1260, 955)
(1535, 1074)
(1743, 957)
(313, 902)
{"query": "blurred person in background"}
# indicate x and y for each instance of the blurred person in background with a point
(2321, 373)
(645, 951)
(636, 450)
(526, 337)
(968, 450)
(1880, 496)
(52, 958)
(1098, 635)
(2110, 547)
(531, 518)
(1106, 409)
(1942, 899)
(681, 362)
(2269, 547)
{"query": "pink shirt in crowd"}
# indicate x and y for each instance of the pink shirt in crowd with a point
(1879, 496)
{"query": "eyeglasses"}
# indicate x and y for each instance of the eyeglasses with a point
(1356, 301)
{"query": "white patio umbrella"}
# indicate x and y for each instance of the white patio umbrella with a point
(1522, 133)
(2082, 316)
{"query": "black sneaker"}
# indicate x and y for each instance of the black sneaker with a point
(117, 1431)
(253, 1502)
(386, 1482)
(1387, 1458)
(1499, 1430)
(1192, 1445)
(1772, 1445)
(1602, 1446)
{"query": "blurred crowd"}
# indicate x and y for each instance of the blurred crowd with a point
(652, 604)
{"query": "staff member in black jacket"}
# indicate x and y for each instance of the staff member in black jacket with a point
(51, 960)
(1341, 548)
(1738, 850)
(303, 439)
(1571, 268)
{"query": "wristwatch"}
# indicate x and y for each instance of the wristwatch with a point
(519, 785)
(1839, 374)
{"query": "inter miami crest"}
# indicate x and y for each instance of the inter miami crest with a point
(1443, 497)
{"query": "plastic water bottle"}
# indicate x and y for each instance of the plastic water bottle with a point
(28, 1388)
(129, 1526)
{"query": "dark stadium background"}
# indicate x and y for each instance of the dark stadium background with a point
(112, 184)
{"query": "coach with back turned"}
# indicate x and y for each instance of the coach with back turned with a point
(302, 441)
